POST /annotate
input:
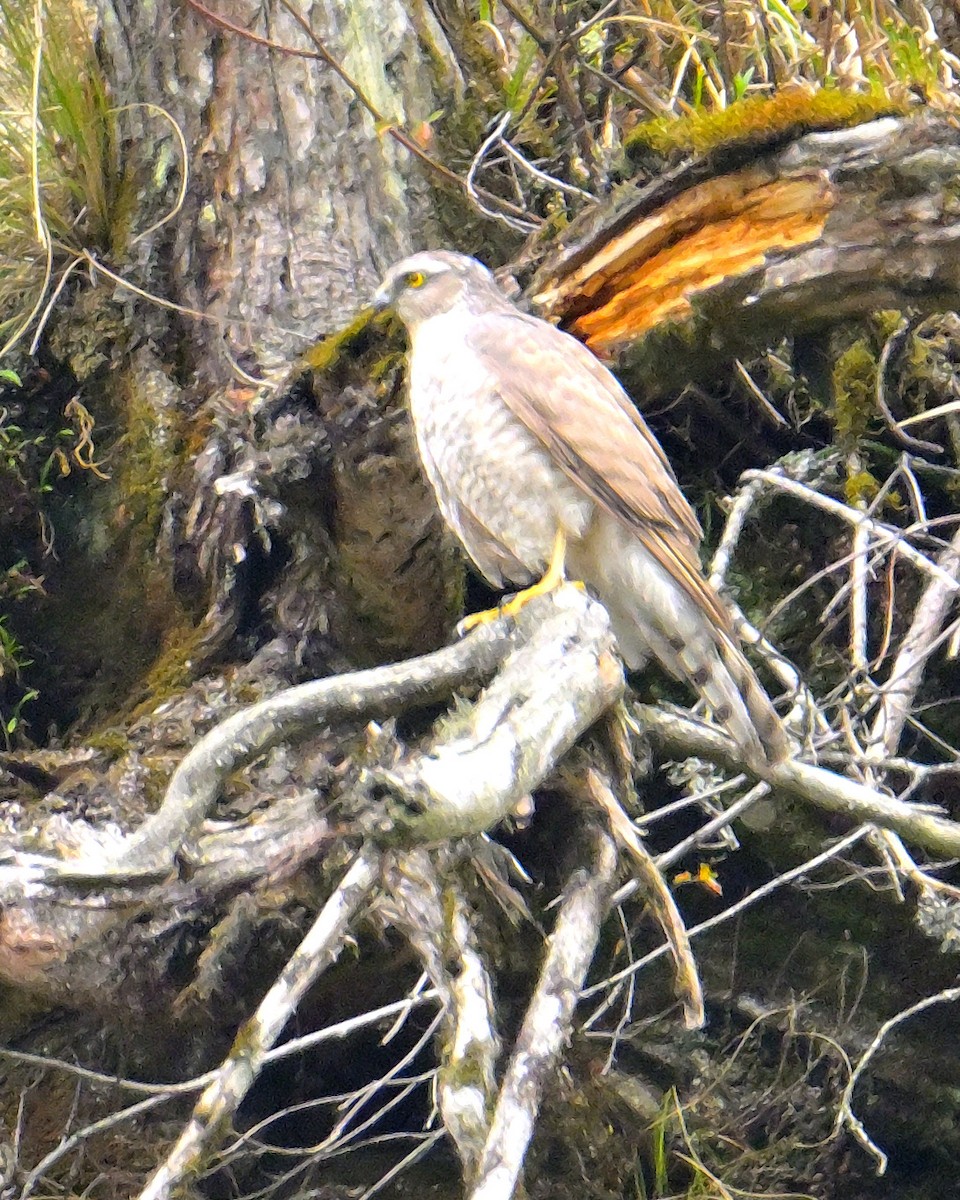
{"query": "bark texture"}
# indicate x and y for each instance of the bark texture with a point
(260, 521)
(716, 261)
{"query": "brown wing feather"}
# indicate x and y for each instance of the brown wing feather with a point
(572, 403)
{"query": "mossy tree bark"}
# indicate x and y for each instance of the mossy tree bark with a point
(240, 537)
(235, 537)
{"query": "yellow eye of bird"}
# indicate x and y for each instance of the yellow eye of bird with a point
(416, 279)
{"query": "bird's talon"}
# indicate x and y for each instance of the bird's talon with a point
(474, 620)
(553, 578)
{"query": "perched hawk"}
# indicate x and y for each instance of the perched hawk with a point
(541, 464)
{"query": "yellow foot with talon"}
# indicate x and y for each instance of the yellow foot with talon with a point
(553, 577)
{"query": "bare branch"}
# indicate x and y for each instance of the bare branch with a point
(731, 913)
(467, 1076)
(434, 915)
(658, 896)
(681, 735)
(885, 534)
(845, 1114)
(289, 716)
(900, 689)
(222, 1097)
(548, 1021)
(562, 677)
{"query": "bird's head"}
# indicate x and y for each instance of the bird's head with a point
(434, 282)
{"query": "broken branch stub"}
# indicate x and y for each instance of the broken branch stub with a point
(722, 257)
(563, 675)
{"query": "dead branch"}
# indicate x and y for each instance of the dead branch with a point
(832, 852)
(886, 535)
(291, 715)
(680, 735)
(426, 902)
(845, 1114)
(832, 226)
(657, 895)
(554, 687)
(900, 689)
(222, 1097)
(548, 1021)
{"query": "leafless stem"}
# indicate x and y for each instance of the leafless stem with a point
(222, 1097)
(900, 689)
(514, 222)
(681, 735)
(845, 1114)
(731, 913)
(859, 560)
(893, 345)
(548, 1021)
(658, 897)
(887, 534)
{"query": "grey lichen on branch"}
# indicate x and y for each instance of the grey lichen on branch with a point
(563, 675)
(679, 735)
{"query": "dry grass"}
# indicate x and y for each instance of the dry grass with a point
(61, 180)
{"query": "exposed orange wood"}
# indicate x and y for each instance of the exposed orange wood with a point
(712, 232)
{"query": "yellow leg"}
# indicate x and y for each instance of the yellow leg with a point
(553, 577)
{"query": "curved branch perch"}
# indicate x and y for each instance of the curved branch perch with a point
(291, 715)
(562, 677)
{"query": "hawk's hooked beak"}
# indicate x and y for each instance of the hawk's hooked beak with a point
(383, 297)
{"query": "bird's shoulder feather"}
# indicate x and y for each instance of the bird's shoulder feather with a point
(573, 403)
(569, 400)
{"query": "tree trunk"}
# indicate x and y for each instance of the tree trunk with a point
(227, 789)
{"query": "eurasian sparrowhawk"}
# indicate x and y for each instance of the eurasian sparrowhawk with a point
(539, 460)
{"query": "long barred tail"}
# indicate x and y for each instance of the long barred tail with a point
(715, 667)
(766, 722)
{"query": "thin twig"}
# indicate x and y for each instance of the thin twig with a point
(233, 1080)
(418, 1152)
(568, 189)
(900, 689)
(845, 1114)
(884, 533)
(658, 897)
(767, 410)
(547, 1023)
(893, 345)
(728, 914)
(519, 223)
(79, 1136)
